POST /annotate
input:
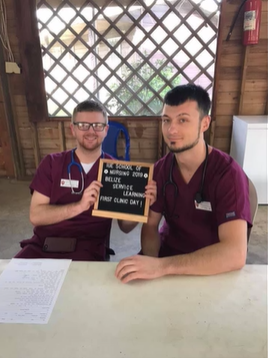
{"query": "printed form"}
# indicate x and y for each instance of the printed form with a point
(29, 289)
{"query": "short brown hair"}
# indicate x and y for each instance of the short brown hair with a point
(90, 106)
(189, 92)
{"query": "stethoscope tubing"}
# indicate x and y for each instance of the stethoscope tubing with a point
(79, 166)
(170, 181)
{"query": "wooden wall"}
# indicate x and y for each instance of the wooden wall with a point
(240, 88)
(55, 135)
(241, 75)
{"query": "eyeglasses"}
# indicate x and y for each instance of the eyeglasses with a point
(84, 126)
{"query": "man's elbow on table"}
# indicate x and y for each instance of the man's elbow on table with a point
(233, 236)
(233, 256)
(239, 260)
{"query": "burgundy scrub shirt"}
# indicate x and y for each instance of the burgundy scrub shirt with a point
(91, 232)
(186, 228)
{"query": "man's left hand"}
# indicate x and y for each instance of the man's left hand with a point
(139, 267)
(151, 191)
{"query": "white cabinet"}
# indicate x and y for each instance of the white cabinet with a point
(249, 149)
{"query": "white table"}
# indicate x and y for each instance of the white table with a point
(96, 316)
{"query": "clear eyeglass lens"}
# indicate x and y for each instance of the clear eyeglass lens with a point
(98, 127)
(83, 126)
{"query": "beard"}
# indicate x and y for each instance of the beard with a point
(187, 146)
(87, 146)
(184, 148)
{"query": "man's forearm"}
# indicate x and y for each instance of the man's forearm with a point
(214, 259)
(150, 241)
(47, 214)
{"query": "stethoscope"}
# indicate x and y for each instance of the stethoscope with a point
(198, 196)
(79, 166)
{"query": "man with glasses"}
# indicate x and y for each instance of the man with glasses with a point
(64, 191)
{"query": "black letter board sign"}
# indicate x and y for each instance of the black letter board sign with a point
(122, 194)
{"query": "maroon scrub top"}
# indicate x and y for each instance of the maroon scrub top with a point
(187, 229)
(91, 232)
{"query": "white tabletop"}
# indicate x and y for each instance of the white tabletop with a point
(96, 316)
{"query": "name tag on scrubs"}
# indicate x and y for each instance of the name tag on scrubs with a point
(204, 205)
(66, 183)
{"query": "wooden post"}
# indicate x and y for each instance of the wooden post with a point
(243, 79)
(62, 136)
(37, 156)
(15, 163)
(211, 130)
(31, 59)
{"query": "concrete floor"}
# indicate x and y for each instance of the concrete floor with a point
(15, 226)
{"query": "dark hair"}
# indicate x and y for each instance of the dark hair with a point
(90, 106)
(190, 92)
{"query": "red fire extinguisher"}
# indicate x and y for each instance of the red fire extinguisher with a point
(252, 21)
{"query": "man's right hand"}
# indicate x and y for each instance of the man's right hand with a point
(139, 267)
(90, 195)
(43, 213)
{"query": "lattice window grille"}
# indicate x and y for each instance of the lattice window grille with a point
(72, 75)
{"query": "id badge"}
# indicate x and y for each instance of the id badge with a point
(66, 183)
(204, 205)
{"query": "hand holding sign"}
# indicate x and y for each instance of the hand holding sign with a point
(90, 195)
(151, 191)
(123, 193)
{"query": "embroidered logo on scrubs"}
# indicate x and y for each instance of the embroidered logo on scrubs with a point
(230, 215)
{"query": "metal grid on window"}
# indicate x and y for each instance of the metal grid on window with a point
(125, 56)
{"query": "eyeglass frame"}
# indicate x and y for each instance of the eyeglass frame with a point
(89, 125)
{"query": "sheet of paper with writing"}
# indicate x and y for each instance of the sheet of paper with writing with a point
(29, 289)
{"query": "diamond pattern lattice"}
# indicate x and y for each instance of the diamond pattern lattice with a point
(126, 54)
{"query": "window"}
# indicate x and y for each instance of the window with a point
(125, 54)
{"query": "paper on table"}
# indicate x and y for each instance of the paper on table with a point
(29, 289)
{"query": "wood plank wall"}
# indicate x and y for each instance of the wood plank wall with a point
(34, 141)
(241, 75)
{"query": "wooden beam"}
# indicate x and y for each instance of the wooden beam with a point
(31, 59)
(62, 136)
(115, 118)
(243, 79)
(210, 133)
(36, 148)
(15, 163)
